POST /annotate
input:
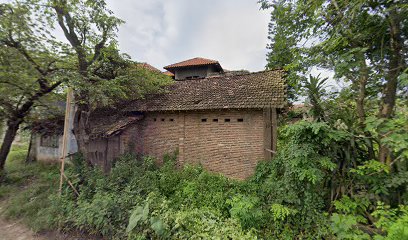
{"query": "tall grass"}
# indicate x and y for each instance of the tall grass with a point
(25, 192)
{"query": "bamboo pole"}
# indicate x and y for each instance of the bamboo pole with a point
(65, 136)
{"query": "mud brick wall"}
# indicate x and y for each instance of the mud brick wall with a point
(230, 142)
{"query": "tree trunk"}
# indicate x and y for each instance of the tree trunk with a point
(362, 82)
(360, 101)
(29, 157)
(82, 129)
(12, 128)
(17, 118)
(394, 69)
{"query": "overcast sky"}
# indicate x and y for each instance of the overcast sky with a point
(162, 32)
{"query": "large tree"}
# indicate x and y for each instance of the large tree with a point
(35, 63)
(363, 42)
(29, 69)
(103, 75)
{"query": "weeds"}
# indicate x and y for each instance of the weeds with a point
(26, 190)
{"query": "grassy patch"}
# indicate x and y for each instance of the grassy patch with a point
(26, 190)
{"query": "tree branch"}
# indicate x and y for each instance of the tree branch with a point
(8, 106)
(69, 32)
(98, 47)
(14, 85)
(30, 101)
(16, 45)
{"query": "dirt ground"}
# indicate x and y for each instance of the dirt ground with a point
(16, 231)
(11, 230)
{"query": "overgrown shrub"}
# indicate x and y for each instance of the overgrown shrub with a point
(289, 197)
(105, 202)
(283, 199)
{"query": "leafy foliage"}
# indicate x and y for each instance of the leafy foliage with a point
(287, 198)
(344, 227)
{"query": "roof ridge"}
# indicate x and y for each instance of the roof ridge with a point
(239, 75)
(190, 62)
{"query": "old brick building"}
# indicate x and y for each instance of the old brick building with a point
(223, 120)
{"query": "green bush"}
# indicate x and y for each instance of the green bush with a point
(283, 199)
(287, 198)
(106, 202)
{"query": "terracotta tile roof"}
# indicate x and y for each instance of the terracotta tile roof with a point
(104, 123)
(48, 126)
(253, 90)
(107, 126)
(198, 61)
(168, 73)
(147, 66)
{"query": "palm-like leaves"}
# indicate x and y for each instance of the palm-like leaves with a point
(314, 89)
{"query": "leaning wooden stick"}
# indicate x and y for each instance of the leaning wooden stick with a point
(65, 136)
(70, 184)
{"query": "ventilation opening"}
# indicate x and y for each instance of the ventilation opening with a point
(171, 120)
(162, 119)
(154, 119)
(215, 120)
(227, 120)
(240, 120)
(203, 119)
(192, 77)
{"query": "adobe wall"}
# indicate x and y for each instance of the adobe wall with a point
(228, 142)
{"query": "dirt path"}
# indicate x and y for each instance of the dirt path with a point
(16, 231)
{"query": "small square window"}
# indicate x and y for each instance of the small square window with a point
(240, 120)
(154, 119)
(162, 119)
(171, 120)
(49, 141)
(203, 119)
(215, 120)
(227, 120)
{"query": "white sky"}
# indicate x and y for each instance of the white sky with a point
(160, 32)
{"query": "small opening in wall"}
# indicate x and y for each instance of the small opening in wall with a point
(162, 119)
(227, 120)
(240, 120)
(171, 120)
(215, 120)
(203, 119)
(154, 119)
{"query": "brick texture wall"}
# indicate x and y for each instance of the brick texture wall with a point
(228, 142)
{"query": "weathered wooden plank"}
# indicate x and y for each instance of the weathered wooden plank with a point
(274, 132)
(267, 133)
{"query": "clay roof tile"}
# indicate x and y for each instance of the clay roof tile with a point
(253, 90)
